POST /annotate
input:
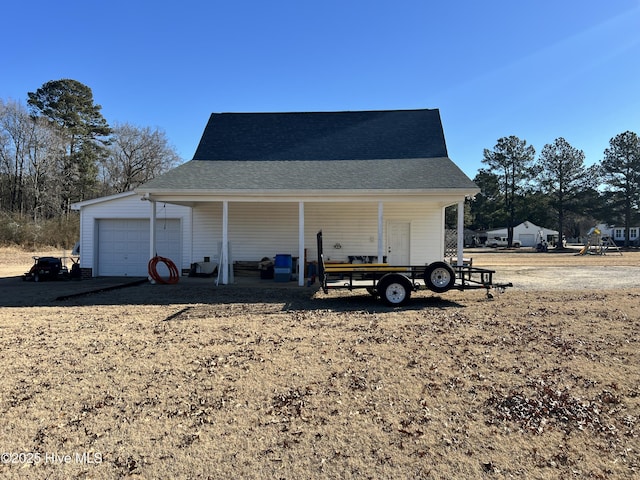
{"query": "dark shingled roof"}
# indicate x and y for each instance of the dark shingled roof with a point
(306, 175)
(365, 135)
(355, 151)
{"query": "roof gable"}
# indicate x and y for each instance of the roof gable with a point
(364, 135)
(107, 198)
(305, 153)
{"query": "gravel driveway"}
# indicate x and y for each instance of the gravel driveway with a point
(526, 270)
(568, 278)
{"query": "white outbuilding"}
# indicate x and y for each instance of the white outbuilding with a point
(528, 233)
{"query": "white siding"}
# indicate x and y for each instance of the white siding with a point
(128, 207)
(257, 230)
(352, 225)
(427, 229)
(207, 231)
(355, 227)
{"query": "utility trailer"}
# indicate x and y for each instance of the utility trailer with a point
(394, 283)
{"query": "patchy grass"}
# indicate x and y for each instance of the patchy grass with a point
(530, 385)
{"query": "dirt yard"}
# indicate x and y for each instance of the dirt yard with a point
(197, 381)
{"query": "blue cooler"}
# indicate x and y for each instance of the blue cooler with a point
(282, 268)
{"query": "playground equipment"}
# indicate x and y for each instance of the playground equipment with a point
(541, 242)
(598, 244)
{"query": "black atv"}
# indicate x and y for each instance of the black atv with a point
(47, 268)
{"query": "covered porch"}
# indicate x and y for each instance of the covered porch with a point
(398, 229)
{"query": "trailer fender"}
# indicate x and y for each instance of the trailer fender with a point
(439, 277)
(394, 289)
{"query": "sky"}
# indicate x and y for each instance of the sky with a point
(535, 69)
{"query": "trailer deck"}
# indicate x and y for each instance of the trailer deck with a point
(394, 283)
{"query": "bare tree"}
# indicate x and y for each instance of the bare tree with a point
(44, 168)
(30, 153)
(14, 124)
(136, 155)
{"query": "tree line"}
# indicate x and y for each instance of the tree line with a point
(59, 149)
(556, 189)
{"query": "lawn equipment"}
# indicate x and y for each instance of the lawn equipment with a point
(47, 268)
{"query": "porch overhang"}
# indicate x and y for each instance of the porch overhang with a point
(444, 197)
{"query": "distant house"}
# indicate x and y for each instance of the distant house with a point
(260, 184)
(528, 234)
(618, 235)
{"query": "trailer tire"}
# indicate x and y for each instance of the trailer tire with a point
(394, 289)
(439, 277)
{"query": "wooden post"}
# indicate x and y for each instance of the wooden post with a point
(380, 232)
(301, 272)
(460, 248)
(224, 256)
(152, 232)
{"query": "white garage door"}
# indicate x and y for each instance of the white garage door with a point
(123, 246)
(527, 240)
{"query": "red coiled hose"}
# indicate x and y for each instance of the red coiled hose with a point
(173, 270)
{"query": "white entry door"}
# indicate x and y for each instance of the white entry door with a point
(398, 236)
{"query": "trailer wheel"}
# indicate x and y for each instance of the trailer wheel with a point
(395, 290)
(439, 277)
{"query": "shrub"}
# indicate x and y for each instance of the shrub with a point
(23, 231)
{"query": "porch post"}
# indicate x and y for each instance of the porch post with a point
(380, 230)
(301, 272)
(460, 247)
(224, 254)
(152, 232)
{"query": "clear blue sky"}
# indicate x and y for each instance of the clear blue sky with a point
(536, 69)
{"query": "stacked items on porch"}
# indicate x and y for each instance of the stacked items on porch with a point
(246, 268)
